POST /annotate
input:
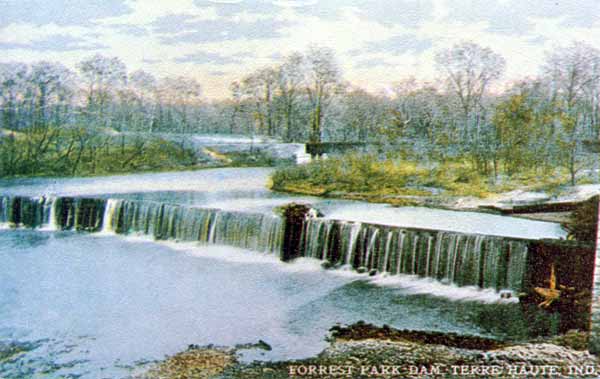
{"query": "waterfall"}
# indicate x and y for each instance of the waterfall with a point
(461, 259)
(52, 224)
(386, 257)
(108, 216)
(4, 203)
(354, 230)
(24, 211)
(259, 232)
(49, 212)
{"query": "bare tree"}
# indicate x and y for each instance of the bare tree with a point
(574, 73)
(144, 86)
(13, 82)
(291, 75)
(102, 76)
(469, 69)
(322, 83)
(49, 83)
(259, 88)
(179, 95)
(363, 116)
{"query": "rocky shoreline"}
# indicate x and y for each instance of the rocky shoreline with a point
(366, 351)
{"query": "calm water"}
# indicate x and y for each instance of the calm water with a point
(96, 305)
(246, 189)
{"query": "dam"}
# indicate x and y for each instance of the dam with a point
(512, 265)
(109, 244)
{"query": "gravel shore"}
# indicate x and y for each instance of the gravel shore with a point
(367, 351)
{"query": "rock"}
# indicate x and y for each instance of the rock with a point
(196, 363)
(361, 331)
(263, 345)
(538, 354)
(361, 270)
(295, 216)
(363, 344)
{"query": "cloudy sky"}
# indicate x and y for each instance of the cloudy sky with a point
(216, 41)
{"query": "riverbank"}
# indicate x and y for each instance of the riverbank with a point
(448, 185)
(54, 152)
(366, 351)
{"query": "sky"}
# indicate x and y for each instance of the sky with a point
(377, 42)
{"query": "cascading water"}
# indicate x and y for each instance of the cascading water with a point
(30, 212)
(259, 232)
(461, 259)
(109, 214)
(4, 201)
(50, 208)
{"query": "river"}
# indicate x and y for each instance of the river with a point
(103, 305)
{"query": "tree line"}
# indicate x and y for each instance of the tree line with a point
(538, 123)
(55, 121)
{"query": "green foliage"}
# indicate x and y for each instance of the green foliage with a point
(366, 177)
(355, 173)
(514, 123)
(81, 151)
(459, 178)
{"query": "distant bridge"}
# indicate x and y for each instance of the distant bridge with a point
(320, 148)
(591, 146)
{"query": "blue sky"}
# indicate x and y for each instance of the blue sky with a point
(377, 42)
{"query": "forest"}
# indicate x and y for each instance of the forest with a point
(58, 121)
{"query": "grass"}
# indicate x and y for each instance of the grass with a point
(364, 177)
(60, 152)
(80, 152)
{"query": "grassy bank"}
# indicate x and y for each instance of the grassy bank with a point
(402, 182)
(83, 152)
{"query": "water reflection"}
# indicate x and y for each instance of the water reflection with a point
(92, 304)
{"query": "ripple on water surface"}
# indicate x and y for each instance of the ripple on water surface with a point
(96, 306)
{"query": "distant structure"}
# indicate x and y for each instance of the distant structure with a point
(318, 149)
(591, 146)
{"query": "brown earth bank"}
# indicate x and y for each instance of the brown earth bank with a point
(489, 204)
(499, 204)
(366, 351)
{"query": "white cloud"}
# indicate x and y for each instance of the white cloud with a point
(249, 17)
(144, 12)
(343, 34)
(349, 32)
(226, 1)
(27, 33)
(294, 4)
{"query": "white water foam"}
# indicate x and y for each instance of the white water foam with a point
(415, 285)
(240, 255)
(407, 284)
(109, 211)
(52, 224)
